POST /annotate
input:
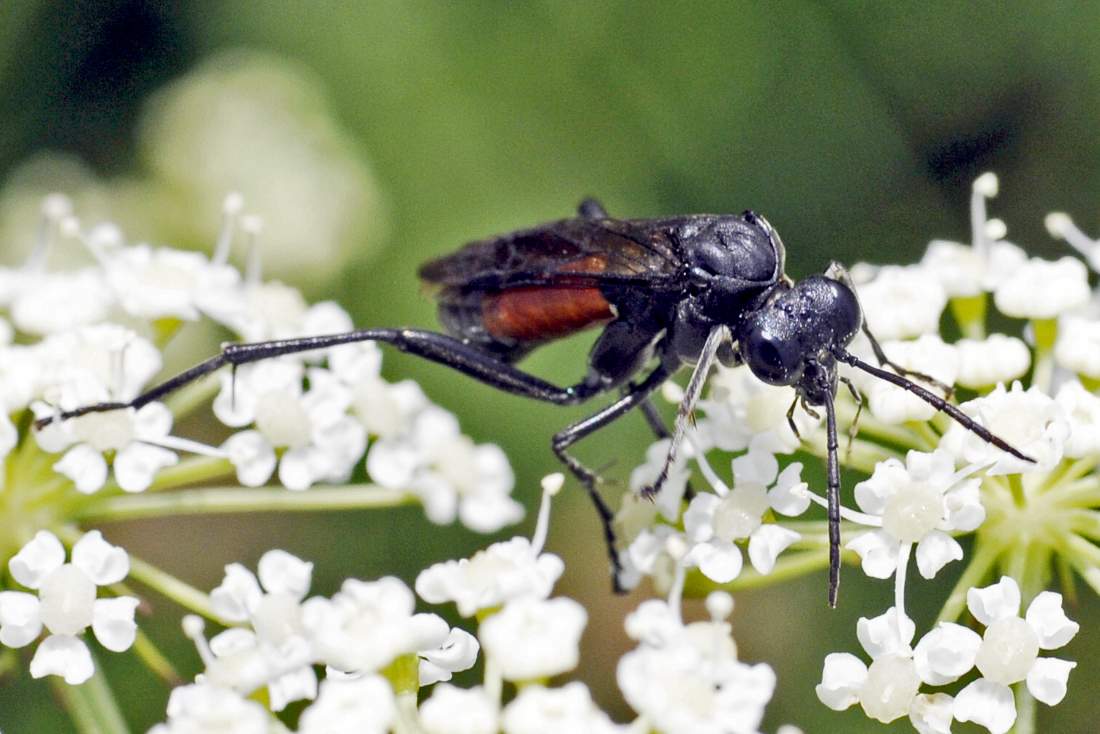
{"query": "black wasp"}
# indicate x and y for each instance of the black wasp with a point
(685, 290)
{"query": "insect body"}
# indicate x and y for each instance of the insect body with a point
(687, 290)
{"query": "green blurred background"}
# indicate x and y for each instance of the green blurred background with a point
(374, 135)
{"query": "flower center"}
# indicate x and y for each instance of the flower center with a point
(890, 688)
(281, 417)
(111, 430)
(277, 618)
(67, 598)
(740, 512)
(913, 512)
(1009, 648)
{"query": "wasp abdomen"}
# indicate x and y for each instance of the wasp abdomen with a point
(542, 313)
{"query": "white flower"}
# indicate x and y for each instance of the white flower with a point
(457, 653)
(929, 355)
(1078, 345)
(275, 614)
(452, 476)
(1082, 409)
(534, 638)
(66, 604)
(367, 624)
(322, 442)
(202, 707)
(1044, 289)
(713, 524)
(539, 710)
(687, 679)
(48, 304)
(919, 502)
(986, 362)
(1029, 420)
(131, 435)
(932, 713)
(680, 691)
(887, 689)
(946, 653)
(153, 283)
(353, 706)
(969, 269)
(504, 571)
(741, 409)
(1009, 653)
(902, 302)
(452, 710)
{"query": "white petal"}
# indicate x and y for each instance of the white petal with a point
(104, 563)
(34, 561)
(841, 678)
(489, 513)
(882, 635)
(20, 622)
(719, 560)
(991, 603)
(935, 551)
(963, 506)
(987, 703)
(63, 655)
(137, 464)
(946, 653)
(766, 543)
(281, 572)
(878, 553)
(756, 466)
(152, 421)
(932, 714)
(237, 595)
(85, 466)
(392, 462)
(1046, 617)
(872, 494)
(789, 496)
(113, 622)
(252, 455)
(297, 469)
(1047, 679)
(297, 685)
(458, 652)
(699, 517)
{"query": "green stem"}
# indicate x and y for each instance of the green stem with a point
(928, 435)
(92, 704)
(788, 567)
(969, 313)
(220, 500)
(155, 660)
(981, 562)
(178, 591)
(863, 456)
(1026, 710)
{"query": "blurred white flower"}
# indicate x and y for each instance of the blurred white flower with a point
(1078, 345)
(367, 624)
(274, 613)
(539, 710)
(66, 604)
(451, 710)
(987, 362)
(211, 709)
(902, 302)
(1044, 289)
(740, 409)
(354, 706)
(929, 355)
(532, 638)
(1029, 420)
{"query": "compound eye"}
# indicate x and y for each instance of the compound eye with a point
(773, 359)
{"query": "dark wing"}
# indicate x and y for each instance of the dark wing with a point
(577, 253)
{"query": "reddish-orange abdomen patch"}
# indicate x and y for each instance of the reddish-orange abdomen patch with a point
(540, 313)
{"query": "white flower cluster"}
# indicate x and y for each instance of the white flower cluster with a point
(311, 416)
(377, 651)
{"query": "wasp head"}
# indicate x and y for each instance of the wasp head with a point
(792, 339)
